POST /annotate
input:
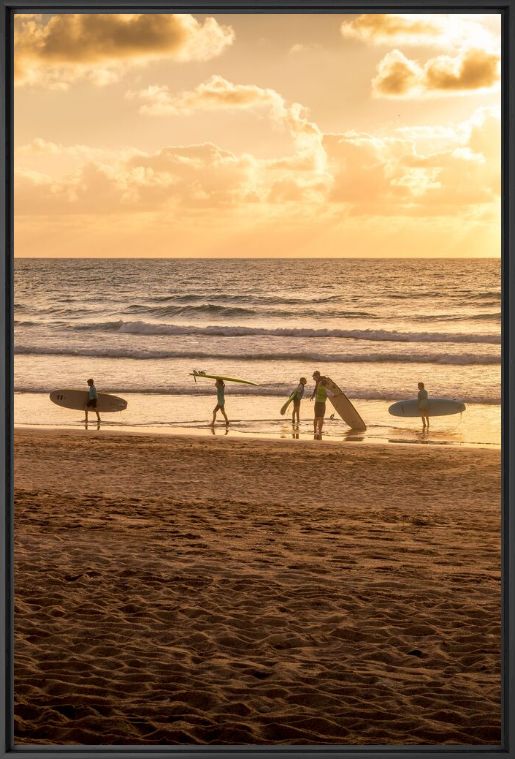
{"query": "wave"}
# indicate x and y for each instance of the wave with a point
(464, 359)
(221, 330)
(270, 391)
(494, 316)
(247, 298)
(208, 309)
(462, 295)
(212, 309)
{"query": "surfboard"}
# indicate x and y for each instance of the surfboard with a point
(285, 406)
(343, 406)
(202, 375)
(435, 407)
(77, 399)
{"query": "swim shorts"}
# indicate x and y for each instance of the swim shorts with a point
(319, 409)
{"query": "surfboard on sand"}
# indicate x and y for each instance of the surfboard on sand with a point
(435, 407)
(202, 375)
(343, 406)
(285, 406)
(77, 399)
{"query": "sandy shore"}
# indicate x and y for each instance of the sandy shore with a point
(188, 590)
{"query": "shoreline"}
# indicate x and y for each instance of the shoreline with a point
(178, 590)
(202, 432)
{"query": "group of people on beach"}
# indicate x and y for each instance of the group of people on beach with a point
(319, 395)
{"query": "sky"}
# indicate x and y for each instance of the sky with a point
(257, 135)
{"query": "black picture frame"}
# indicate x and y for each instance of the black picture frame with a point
(507, 9)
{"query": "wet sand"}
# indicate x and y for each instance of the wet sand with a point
(219, 591)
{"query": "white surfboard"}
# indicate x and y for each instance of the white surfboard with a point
(435, 407)
(343, 406)
(77, 399)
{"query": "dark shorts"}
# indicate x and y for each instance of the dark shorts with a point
(296, 404)
(92, 403)
(319, 409)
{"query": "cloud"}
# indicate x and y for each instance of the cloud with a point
(304, 48)
(214, 94)
(458, 31)
(395, 176)
(218, 93)
(400, 176)
(393, 28)
(471, 61)
(475, 69)
(55, 51)
(176, 179)
(469, 71)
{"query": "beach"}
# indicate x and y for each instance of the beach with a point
(220, 590)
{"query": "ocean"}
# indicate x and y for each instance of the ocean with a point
(376, 327)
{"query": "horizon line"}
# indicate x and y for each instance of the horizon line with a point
(260, 258)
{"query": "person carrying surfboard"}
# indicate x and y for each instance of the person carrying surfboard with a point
(423, 404)
(92, 401)
(320, 396)
(220, 402)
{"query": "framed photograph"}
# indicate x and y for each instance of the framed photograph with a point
(257, 377)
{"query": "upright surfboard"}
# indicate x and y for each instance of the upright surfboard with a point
(435, 407)
(77, 399)
(202, 375)
(343, 406)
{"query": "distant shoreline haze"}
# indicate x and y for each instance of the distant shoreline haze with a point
(259, 258)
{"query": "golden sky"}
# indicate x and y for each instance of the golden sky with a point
(257, 135)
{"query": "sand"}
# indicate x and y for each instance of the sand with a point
(218, 591)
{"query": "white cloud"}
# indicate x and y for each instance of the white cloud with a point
(402, 175)
(441, 30)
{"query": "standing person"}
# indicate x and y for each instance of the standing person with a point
(298, 394)
(320, 396)
(423, 404)
(92, 401)
(220, 402)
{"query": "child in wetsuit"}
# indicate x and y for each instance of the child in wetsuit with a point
(297, 397)
(220, 402)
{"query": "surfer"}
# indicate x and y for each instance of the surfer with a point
(220, 402)
(298, 394)
(320, 396)
(92, 401)
(423, 404)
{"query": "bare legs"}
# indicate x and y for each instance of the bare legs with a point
(317, 426)
(86, 419)
(215, 410)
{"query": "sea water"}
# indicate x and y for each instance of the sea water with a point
(376, 327)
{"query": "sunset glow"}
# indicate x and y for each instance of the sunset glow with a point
(142, 135)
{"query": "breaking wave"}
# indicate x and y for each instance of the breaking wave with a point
(465, 359)
(223, 330)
